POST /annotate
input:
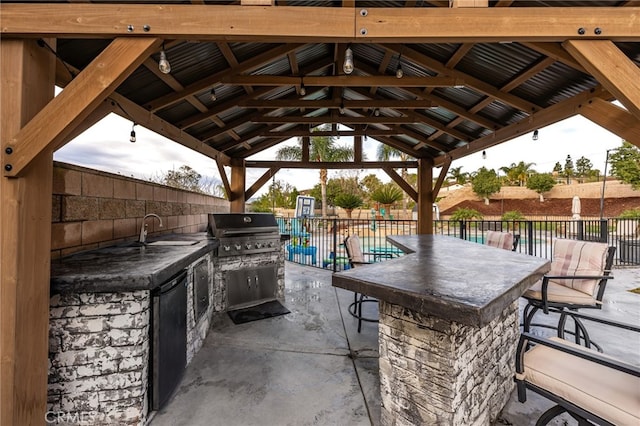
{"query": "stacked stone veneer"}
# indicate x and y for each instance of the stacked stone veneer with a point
(222, 265)
(438, 372)
(93, 209)
(99, 357)
(99, 353)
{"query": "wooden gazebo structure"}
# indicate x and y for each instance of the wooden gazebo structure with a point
(247, 75)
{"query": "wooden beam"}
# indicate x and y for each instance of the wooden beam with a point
(613, 118)
(612, 68)
(306, 141)
(330, 103)
(331, 165)
(342, 81)
(486, 25)
(357, 149)
(341, 133)
(425, 196)
(550, 115)
(329, 119)
(401, 183)
(27, 75)
(469, 3)
(67, 110)
(238, 183)
(441, 177)
(225, 180)
(259, 183)
(555, 51)
(321, 24)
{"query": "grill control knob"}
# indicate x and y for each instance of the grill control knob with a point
(237, 246)
(271, 244)
(248, 246)
(226, 248)
(258, 245)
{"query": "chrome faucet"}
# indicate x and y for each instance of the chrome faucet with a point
(143, 228)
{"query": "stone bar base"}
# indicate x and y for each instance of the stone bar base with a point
(434, 371)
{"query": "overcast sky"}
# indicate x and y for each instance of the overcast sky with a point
(106, 147)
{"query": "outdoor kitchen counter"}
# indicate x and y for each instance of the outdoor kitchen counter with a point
(127, 266)
(448, 327)
(447, 277)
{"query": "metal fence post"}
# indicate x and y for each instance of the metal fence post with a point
(530, 237)
(335, 244)
(462, 229)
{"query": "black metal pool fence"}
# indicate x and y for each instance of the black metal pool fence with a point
(319, 242)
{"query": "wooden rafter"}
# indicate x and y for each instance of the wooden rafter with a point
(401, 182)
(612, 68)
(613, 118)
(331, 165)
(66, 111)
(259, 183)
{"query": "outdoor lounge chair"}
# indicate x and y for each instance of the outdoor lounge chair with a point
(577, 279)
(356, 258)
(503, 240)
(588, 385)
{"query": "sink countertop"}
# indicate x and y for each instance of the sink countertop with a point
(127, 266)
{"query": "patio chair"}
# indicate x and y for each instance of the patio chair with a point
(590, 387)
(356, 259)
(503, 240)
(578, 277)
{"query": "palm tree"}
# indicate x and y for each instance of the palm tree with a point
(458, 175)
(321, 148)
(518, 173)
(385, 153)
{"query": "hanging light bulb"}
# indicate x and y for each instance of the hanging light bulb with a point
(132, 138)
(535, 135)
(347, 67)
(376, 112)
(163, 63)
(399, 72)
(484, 155)
(303, 90)
(341, 108)
(212, 94)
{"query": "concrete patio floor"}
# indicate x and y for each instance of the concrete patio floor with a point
(311, 367)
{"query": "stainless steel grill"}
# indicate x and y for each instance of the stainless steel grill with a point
(244, 233)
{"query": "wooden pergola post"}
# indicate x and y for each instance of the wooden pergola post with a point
(238, 184)
(425, 196)
(27, 84)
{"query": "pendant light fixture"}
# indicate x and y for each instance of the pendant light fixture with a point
(535, 135)
(132, 138)
(347, 67)
(399, 71)
(212, 95)
(163, 64)
(303, 90)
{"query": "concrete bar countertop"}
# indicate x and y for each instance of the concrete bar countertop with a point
(128, 266)
(447, 277)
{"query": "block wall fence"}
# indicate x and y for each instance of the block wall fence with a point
(93, 209)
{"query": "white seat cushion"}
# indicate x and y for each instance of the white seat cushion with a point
(560, 294)
(608, 393)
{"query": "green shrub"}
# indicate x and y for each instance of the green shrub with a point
(466, 214)
(513, 215)
(630, 214)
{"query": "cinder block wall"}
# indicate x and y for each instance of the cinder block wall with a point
(93, 209)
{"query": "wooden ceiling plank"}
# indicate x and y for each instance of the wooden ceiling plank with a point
(136, 113)
(460, 53)
(471, 82)
(206, 83)
(612, 68)
(66, 111)
(401, 183)
(342, 81)
(555, 51)
(545, 117)
(613, 118)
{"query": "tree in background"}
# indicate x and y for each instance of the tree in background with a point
(321, 148)
(348, 202)
(541, 183)
(385, 153)
(458, 176)
(386, 195)
(517, 174)
(485, 183)
(188, 179)
(585, 170)
(568, 170)
(625, 164)
(279, 195)
(463, 213)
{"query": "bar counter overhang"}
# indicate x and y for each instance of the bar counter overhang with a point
(448, 327)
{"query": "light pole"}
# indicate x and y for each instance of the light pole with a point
(604, 181)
